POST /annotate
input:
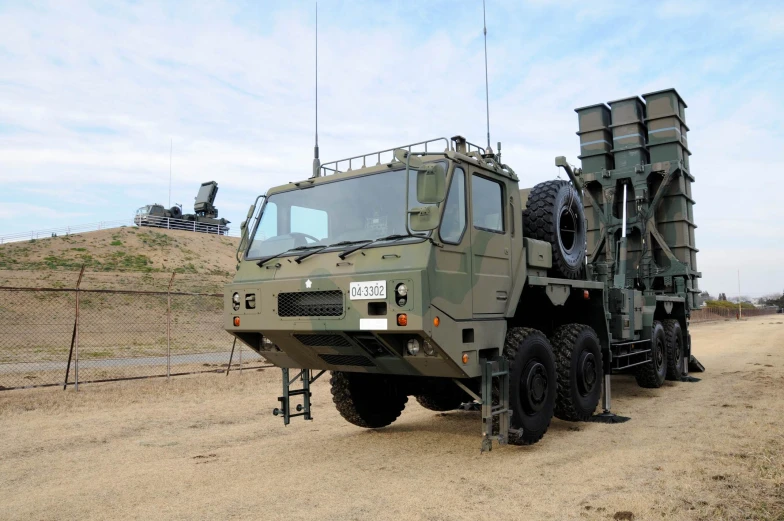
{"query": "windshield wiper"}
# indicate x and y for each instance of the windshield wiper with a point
(322, 248)
(369, 242)
(268, 258)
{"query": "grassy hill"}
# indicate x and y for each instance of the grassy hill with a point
(126, 249)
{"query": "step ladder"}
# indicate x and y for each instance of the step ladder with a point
(496, 369)
(303, 409)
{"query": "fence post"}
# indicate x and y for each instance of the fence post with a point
(241, 358)
(168, 327)
(74, 340)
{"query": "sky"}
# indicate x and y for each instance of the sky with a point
(93, 95)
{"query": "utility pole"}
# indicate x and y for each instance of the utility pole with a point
(740, 309)
(171, 148)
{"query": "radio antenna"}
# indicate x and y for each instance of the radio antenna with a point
(316, 162)
(487, 84)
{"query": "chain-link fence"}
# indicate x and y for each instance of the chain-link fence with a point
(66, 336)
(709, 314)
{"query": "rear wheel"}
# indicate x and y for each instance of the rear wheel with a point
(579, 372)
(652, 375)
(532, 383)
(367, 400)
(674, 339)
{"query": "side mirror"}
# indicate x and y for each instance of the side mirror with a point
(431, 184)
(424, 218)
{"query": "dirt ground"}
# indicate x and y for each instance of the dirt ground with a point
(208, 448)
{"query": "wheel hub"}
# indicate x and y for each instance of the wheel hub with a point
(658, 354)
(586, 373)
(534, 392)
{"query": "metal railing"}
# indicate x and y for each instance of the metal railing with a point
(170, 223)
(70, 336)
(64, 230)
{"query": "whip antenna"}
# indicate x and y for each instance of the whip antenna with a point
(316, 162)
(487, 85)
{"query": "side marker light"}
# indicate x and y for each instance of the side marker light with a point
(586, 294)
(436, 321)
(465, 358)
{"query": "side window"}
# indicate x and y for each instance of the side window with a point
(454, 219)
(268, 227)
(309, 221)
(488, 204)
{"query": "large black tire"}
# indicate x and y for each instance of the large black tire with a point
(578, 358)
(532, 383)
(441, 395)
(674, 340)
(367, 400)
(554, 213)
(652, 375)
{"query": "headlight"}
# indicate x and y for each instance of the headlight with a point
(413, 346)
(402, 292)
(428, 348)
(235, 301)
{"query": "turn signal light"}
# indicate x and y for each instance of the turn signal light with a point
(586, 294)
(402, 319)
(465, 358)
(236, 321)
(436, 321)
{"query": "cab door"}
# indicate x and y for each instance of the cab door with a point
(452, 279)
(490, 245)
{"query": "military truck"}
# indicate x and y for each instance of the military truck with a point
(426, 271)
(204, 219)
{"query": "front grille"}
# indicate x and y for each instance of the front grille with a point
(323, 340)
(311, 304)
(355, 360)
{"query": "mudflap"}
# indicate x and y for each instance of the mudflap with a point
(695, 366)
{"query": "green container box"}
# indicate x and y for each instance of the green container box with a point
(627, 110)
(630, 157)
(594, 142)
(663, 103)
(629, 135)
(593, 117)
(669, 129)
(669, 152)
(596, 162)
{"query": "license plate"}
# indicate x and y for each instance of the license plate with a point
(374, 289)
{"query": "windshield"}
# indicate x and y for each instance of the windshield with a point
(356, 209)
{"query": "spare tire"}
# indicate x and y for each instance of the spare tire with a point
(554, 213)
(176, 212)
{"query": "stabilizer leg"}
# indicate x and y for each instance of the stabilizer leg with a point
(607, 416)
(690, 363)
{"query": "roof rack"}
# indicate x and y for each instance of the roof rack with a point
(326, 169)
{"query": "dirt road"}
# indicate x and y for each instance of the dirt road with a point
(208, 448)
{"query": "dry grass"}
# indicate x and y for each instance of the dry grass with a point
(121, 249)
(208, 448)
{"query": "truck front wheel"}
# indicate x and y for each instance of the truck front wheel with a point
(367, 400)
(578, 357)
(532, 383)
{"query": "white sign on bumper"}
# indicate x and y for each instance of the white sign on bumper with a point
(373, 324)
